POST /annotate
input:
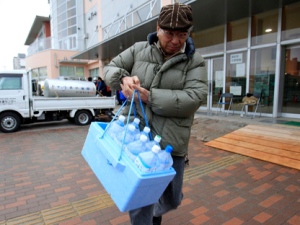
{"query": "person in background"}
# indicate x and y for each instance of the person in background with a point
(101, 87)
(90, 79)
(172, 81)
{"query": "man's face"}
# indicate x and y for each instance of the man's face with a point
(171, 41)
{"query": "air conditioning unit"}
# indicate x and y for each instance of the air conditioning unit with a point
(86, 36)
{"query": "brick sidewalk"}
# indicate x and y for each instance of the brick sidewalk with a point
(45, 180)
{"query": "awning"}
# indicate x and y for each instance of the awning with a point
(35, 29)
(207, 14)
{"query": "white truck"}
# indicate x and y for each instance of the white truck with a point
(20, 102)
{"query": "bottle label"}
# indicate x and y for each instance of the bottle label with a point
(129, 154)
(142, 166)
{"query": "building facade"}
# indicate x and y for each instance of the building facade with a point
(249, 46)
(19, 62)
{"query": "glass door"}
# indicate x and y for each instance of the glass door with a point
(291, 83)
(215, 73)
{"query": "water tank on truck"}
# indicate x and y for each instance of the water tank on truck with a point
(69, 88)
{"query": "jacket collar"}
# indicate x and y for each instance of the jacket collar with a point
(189, 48)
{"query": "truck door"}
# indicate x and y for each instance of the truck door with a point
(12, 93)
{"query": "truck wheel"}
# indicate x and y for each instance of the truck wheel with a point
(83, 117)
(9, 122)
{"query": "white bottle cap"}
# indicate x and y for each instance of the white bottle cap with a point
(143, 138)
(122, 118)
(155, 149)
(136, 120)
(147, 129)
(131, 127)
(157, 138)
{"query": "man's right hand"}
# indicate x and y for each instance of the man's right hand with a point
(128, 85)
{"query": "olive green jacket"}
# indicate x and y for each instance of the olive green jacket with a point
(178, 86)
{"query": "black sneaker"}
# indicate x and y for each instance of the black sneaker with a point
(157, 220)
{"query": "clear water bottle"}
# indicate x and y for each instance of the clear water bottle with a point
(148, 161)
(150, 144)
(135, 123)
(136, 147)
(165, 159)
(145, 132)
(116, 127)
(129, 137)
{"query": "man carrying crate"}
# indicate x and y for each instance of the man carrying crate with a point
(172, 81)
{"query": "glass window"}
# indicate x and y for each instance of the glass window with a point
(62, 26)
(42, 73)
(264, 28)
(79, 71)
(237, 34)
(94, 72)
(71, 3)
(72, 72)
(72, 21)
(291, 81)
(62, 17)
(72, 30)
(262, 75)
(66, 71)
(61, 9)
(210, 40)
(71, 12)
(10, 82)
(291, 22)
(236, 66)
(39, 73)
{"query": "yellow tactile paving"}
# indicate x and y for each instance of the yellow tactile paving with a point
(57, 214)
(30, 219)
(93, 204)
(60, 213)
(199, 171)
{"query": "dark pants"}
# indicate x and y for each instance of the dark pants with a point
(170, 199)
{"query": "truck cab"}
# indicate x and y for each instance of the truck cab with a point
(14, 97)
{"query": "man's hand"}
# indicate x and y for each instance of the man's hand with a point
(144, 93)
(133, 83)
(127, 86)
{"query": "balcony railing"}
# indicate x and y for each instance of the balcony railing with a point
(133, 18)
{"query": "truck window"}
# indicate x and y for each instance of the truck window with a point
(11, 82)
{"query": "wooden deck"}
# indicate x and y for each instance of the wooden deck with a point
(275, 144)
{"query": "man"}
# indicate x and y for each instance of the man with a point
(172, 81)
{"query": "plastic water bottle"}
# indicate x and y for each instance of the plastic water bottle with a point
(136, 147)
(116, 127)
(165, 159)
(150, 144)
(136, 122)
(148, 161)
(145, 132)
(137, 131)
(129, 135)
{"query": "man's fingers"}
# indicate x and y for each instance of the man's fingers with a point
(136, 80)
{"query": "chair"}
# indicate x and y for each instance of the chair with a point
(225, 99)
(256, 104)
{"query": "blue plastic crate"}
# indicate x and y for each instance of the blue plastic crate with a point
(128, 186)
